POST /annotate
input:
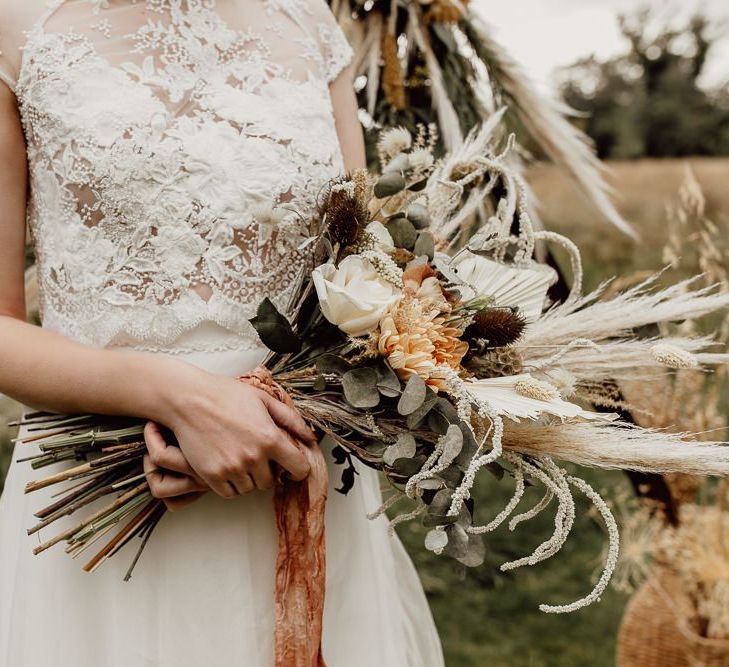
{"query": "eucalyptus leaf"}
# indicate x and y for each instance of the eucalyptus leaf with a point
(403, 233)
(274, 329)
(431, 484)
(452, 475)
(452, 443)
(442, 415)
(320, 383)
(475, 552)
(332, 363)
(389, 184)
(441, 502)
(360, 387)
(414, 419)
(436, 540)
(388, 384)
(457, 541)
(418, 185)
(404, 448)
(407, 467)
(470, 446)
(430, 520)
(425, 245)
(412, 396)
(418, 215)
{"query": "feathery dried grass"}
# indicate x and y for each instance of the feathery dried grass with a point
(617, 446)
(544, 119)
(600, 320)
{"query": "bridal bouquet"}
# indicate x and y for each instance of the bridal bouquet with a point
(421, 342)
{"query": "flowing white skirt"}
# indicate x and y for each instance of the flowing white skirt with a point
(202, 593)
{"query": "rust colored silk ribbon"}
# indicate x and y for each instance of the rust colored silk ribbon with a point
(301, 559)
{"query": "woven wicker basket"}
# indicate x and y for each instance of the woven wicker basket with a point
(654, 634)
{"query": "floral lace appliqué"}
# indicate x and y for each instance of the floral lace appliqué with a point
(175, 185)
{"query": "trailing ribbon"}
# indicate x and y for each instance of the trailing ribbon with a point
(300, 563)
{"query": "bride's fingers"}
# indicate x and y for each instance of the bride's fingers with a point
(175, 504)
(288, 419)
(241, 484)
(262, 476)
(169, 485)
(166, 456)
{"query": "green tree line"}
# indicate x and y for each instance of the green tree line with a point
(648, 101)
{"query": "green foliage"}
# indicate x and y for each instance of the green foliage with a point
(647, 101)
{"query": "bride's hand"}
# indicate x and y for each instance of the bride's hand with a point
(230, 433)
(170, 479)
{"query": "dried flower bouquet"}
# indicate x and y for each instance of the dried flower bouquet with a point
(422, 344)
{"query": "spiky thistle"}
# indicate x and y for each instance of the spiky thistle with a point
(497, 327)
(345, 211)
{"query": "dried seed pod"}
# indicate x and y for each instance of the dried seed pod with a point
(498, 326)
(500, 362)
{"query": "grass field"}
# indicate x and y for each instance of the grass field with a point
(491, 620)
(643, 190)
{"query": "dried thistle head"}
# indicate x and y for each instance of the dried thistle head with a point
(345, 211)
(498, 326)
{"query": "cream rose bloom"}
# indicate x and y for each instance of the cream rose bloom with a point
(354, 296)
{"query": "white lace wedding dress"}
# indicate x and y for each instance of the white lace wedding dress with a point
(159, 134)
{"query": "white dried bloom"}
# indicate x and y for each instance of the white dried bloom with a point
(564, 381)
(394, 141)
(673, 357)
(421, 159)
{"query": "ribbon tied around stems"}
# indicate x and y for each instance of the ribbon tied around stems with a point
(301, 559)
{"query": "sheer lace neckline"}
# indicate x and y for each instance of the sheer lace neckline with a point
(176, 149)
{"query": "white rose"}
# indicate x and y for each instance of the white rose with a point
(382, 236)
(354, 296)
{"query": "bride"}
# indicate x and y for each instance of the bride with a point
(167, 155)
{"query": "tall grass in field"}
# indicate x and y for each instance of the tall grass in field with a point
(644, 190)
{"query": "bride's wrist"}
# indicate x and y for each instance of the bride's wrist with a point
(165, 388)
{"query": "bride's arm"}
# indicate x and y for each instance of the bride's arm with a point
(227, 430)
(349, 129)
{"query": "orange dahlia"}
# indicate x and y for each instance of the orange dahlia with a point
(415, 340)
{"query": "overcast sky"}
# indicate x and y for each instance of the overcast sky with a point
(544, 34)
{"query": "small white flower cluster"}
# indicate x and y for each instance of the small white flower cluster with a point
(369, 417)
(348, 187)
(384, 265)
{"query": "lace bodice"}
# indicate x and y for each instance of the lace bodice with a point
(176, 149)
